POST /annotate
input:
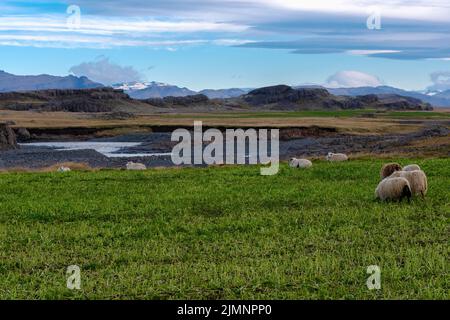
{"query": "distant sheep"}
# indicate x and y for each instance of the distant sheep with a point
(293, 163)
(388, 169)
(304, 163)
(417, 180)
(63, 169)
(393, 189)
(135, 166)
(411, 167)
(334, 157)
(299, 163)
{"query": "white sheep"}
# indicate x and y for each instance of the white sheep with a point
(417, 180)
(411, 167)
(135, 166)
(304, 163)
(336, 157)
(393, 189)
(299, 163)
(293, 163)
(63, 169)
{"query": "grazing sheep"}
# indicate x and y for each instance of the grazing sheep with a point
(388, 169)
(63, 169)
(136, 166)
(336, 157)
(417, 180)
(304, 163)
(299, 163)
(393, 189)
(411, 167)
(293, 163)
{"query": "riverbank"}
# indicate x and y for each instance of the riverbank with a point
(433, 140)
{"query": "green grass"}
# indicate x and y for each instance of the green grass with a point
(223, 233)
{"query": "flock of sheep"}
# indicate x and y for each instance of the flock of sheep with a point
(396, 182)
(305, 163)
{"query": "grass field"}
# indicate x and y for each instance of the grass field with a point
(223, 233)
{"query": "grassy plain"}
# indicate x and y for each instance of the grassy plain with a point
(223, 233)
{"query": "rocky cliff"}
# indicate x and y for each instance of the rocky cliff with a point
(85, 100)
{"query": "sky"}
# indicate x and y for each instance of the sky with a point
(231, 43)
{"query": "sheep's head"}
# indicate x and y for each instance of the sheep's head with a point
(329, 155)
(389, 169)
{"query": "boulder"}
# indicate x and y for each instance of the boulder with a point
(7, 137)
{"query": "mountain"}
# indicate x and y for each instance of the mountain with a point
(438, 99)
(224, 93)
(10, 82)
(146, 90)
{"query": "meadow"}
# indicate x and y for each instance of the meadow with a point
(223, 233)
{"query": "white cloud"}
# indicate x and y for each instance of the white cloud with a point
(103, 71)
(370, 52)
(441, 81)
(352, 79)
(108, 26)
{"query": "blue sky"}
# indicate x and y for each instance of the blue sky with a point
(231, 43)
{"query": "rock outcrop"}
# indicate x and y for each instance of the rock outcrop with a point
(7, 137)
(84, 100)
(178, 101)
(283, 97)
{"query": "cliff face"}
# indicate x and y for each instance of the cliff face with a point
(86, 100)
(7, 137)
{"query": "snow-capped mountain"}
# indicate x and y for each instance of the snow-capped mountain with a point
(145, 90)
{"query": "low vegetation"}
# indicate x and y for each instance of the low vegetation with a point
(223, 233)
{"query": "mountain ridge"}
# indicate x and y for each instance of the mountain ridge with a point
(10, 82)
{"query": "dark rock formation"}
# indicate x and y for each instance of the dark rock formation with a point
(178, 101)
(7, 137)
(85, 100)
(285, 97)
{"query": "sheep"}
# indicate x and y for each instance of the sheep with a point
(135, 166)
(299, 163)
(336, 157)
(388, 169)
(63, 169)
(393, 189)
(293, 163)
(417, 180)
(411, 167)
(304, 163)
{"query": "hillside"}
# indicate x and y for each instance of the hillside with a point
(269, 98)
